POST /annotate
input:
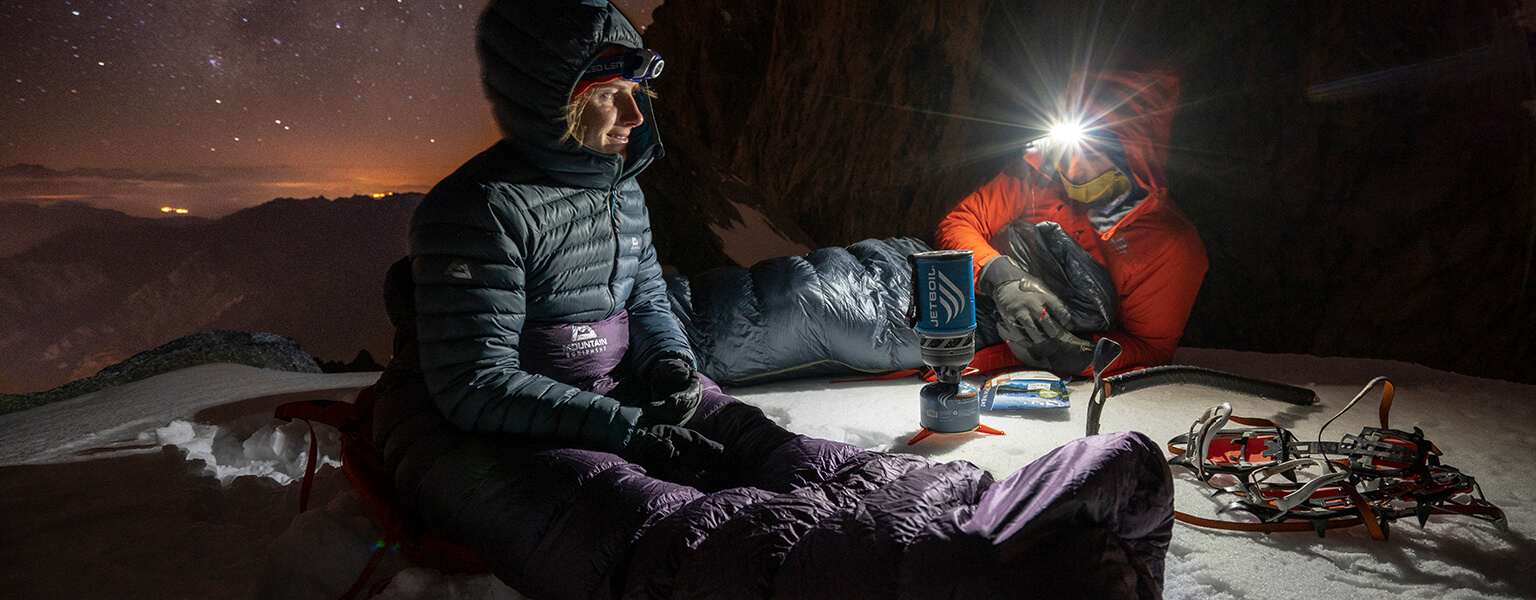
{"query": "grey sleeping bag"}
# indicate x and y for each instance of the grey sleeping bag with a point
(843, 311)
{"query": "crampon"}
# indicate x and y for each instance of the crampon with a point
(1371, 479)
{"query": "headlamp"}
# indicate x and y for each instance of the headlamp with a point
(637, 64)
(1067, 133)
(1070, 140)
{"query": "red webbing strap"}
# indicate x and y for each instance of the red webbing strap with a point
(1249, 421)
(1366, 513)
(1387, 391)
(329, 412)
(925, 374)
(309, 468)
(1448, 508)
(1254, 422)
(885, 377)
(1386, 402)
(993, 358)
(986, 360)
(373, 563)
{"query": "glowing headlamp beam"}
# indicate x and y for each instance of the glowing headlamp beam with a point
(1067, 133)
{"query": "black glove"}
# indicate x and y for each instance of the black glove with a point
(666, 448)
(675, 390)
(1048, 346)
(1023, 302)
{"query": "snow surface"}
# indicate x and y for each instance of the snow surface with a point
(174, 486)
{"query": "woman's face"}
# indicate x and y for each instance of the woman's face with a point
(611, 113)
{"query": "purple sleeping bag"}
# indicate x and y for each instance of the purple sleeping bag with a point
(785, 516)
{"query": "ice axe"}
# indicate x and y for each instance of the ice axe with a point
(1107, 350)
(1104, 354)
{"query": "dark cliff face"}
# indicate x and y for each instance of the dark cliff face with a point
(1361, 174)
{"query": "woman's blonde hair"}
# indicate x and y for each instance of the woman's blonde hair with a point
(570, 114)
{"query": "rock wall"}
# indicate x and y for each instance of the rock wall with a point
(1361, 173)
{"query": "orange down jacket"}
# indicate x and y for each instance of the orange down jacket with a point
(1153, 254)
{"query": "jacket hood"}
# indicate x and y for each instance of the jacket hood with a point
(1137, 106)
(531, 54)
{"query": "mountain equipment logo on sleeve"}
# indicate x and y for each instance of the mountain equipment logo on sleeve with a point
(459, 270)
(584, 342)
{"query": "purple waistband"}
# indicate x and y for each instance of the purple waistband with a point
(584, 355)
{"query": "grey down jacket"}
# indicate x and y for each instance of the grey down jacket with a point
(537, 230)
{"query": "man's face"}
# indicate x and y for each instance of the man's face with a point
(1084, 165)
(611, 113)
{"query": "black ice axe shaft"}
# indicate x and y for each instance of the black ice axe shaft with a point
(1107, 350)
(1104, 354)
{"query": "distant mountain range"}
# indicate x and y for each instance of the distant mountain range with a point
(27, 225)
(31, 171)
(83, 288)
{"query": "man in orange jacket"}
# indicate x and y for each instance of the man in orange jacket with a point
(1102, 179)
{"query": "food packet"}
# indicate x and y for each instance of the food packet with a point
(1024, 390)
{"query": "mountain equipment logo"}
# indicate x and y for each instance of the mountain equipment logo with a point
(459, 270)
(584, 342)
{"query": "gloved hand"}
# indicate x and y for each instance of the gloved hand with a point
(1023, 302)
(675, 390)
(1048, 346)
(667, 447)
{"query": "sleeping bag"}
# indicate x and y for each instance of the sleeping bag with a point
(782, 515)
(843, 311)
(779, 515)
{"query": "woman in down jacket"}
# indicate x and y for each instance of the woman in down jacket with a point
(543, 408)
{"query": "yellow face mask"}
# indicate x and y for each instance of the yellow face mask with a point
(1109, 185)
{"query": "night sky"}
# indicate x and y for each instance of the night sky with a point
(220, 104)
